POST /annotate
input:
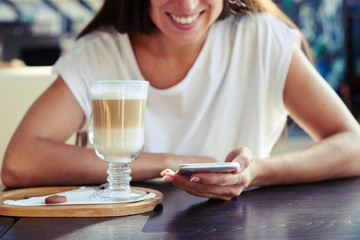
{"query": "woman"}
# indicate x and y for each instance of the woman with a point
(222, 87)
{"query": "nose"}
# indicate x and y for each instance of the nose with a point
(187, 5)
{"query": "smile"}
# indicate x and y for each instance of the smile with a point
(184, 20)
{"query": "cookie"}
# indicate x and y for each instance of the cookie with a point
(54, 199)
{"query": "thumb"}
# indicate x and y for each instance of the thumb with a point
(241, 155)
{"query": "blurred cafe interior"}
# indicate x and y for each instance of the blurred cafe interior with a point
(34, 33)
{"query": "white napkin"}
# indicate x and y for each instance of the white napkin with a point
(82, 195)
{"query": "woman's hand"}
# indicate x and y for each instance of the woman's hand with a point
(223, 186)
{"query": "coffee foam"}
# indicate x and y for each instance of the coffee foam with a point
(113, 94)
(116, 91)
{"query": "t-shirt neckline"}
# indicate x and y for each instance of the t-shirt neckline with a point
(187, 78)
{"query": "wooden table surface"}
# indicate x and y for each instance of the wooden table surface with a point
(326, 210)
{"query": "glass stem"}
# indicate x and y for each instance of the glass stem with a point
(119, 177)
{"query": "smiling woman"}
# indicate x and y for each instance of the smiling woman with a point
(224, 77)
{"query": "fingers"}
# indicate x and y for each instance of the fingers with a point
(221, 179)
(168, 175)
(167, 172)
(210, 185)
(209, 191)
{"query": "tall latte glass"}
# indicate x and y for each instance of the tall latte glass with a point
(117, 132)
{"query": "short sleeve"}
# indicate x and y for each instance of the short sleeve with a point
(278, 50)
(70, 67)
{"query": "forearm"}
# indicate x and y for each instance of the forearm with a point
(147, 166)
(335, 157)
(45, 162)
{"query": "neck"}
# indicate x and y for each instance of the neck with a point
(160, 46)
(162, 62)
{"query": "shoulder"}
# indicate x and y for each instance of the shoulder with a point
(260, 19)
(255, 23)
(95, 40)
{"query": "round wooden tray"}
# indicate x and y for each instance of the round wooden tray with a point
(88, 210)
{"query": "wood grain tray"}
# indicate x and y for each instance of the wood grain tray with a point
(88, 210)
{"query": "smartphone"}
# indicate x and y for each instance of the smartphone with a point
(224, 167)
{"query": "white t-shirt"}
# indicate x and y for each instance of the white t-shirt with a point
(232, 96)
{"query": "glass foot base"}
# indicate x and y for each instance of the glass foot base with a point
(119, 195)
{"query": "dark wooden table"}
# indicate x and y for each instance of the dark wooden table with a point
(326, 210)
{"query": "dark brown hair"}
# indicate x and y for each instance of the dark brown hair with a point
(124, 16)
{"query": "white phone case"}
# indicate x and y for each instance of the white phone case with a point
(225, 167)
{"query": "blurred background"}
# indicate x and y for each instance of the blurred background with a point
(34, 33)
(39, 31)
(332, 28)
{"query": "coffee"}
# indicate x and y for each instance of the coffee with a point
(118, 125)
(118, 113)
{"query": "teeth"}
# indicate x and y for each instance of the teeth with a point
(186, 20)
